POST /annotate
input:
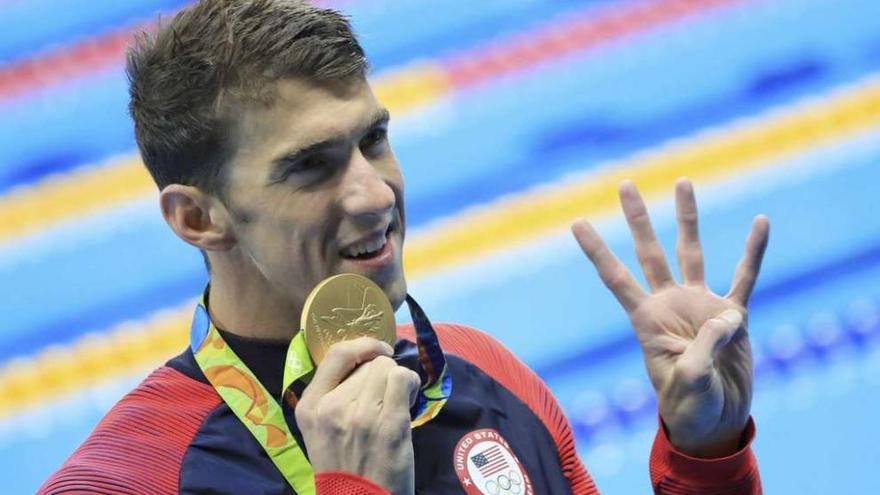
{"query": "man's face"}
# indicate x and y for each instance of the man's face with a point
(315, 190)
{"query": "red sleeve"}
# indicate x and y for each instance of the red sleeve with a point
(138, 447)
(499, 363)
(673, 472)
(342, 483)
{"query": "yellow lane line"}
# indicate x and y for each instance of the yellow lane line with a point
(82, 191)
(59, 370)
(411, 87)
(710, 157)
(61, 197)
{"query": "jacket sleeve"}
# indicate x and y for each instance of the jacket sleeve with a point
(139, 446)
(342, 483)
(673, 472)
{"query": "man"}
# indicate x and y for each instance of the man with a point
(257, 123)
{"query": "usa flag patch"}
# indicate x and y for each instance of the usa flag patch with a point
(486, 465)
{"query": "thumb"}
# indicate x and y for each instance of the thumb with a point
(699, 356)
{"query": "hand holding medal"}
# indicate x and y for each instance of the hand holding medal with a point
(354, 415)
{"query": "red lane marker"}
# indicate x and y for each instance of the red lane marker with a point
(64, 63)
(584, 31)
(468, 67)
(79, 59)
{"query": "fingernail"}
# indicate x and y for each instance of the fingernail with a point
(388, 348)
(731, 316)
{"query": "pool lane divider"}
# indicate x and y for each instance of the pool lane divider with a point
(60, 197)
(92, 54)
(584, 29)
(65, 63)
(710, 157)
(57, 370)
(747, 145)
(57, 198)
(820, 339)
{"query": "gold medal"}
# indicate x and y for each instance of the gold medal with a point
(345, 307)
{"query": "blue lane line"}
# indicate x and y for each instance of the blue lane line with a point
(581, 144)
(452, 26)
(624, 342)
(29, 27)
(83, 123)
(596, 136)
(779, 84)
(95, 317)
(644, 405)
(128, 272)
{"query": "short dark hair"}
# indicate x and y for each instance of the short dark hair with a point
(186, 77)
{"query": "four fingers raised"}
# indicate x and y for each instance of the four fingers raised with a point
(648, 249)
(688, 249)
(623, 285)
(613, 273)
(747, 270)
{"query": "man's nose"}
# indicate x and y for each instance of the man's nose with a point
(366, 192)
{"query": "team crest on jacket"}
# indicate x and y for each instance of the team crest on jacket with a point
(486, 465)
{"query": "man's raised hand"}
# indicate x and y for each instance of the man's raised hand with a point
(695, 342)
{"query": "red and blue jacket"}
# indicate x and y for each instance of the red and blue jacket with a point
(174, 434)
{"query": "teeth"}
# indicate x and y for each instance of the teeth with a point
(366, 247)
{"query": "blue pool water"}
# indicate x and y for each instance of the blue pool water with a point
(813, 321)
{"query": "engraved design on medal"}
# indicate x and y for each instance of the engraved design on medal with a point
(345, 307)
(348, 323)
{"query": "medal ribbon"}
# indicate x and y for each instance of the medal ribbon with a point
(436, 381)
(262, 414)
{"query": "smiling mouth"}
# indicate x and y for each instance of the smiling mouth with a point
(370, 248)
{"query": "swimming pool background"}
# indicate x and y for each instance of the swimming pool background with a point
(499, 108)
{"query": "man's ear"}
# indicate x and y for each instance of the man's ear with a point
(196, 217)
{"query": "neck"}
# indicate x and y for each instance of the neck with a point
(251, 308)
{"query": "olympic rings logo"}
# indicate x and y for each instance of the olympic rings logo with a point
(509, 484)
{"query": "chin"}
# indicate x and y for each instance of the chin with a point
(396, 291)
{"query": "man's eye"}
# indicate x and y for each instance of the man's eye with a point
(375, 140)
(305, 165)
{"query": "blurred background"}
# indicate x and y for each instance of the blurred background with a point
(511, 118)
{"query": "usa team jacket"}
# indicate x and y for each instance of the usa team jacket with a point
(501, 432)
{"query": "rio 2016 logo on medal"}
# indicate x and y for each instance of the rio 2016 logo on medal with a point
(486, 465)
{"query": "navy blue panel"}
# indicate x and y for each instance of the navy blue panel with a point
(478, 402)
(224, 458)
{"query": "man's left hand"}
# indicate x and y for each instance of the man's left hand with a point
(695, 342)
